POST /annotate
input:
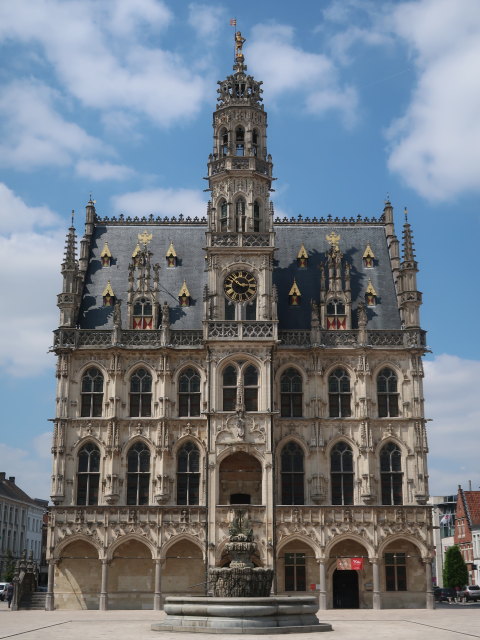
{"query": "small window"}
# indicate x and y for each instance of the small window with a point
(292, 473)
(223, 216)
(138, 474)
(387, 394)
(291, 396)
(224, 142)
(250, 388)
(339, 396)
(336, 318)
(229, 388)
(189, 393)
(341, 471)
(88, 476)
(92, 393)
(143, 314)
(188, 474)
(391, 474)
(141, 394)
(395, 572)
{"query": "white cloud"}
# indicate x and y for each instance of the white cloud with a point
(31, 257)
(103, 170)
(164, 202)
(435, 145)
(205, 19)
(452, 403)
(289, 68)
(101, 67)
(34, 134)
(31, 468)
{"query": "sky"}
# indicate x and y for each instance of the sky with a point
(366, 99)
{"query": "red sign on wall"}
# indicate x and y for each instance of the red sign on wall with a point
(347, 564)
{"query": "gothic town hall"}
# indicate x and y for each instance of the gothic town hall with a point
(239, 362)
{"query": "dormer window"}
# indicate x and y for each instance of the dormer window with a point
(239, 141)
(108, 296)
(336, 318)
(184, 295)
(368, 257)
(294, 295)
(370, 295)
(143, 314)
(171, 256)
(106, 256)
(302, 258)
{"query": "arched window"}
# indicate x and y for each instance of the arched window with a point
(291, 396)
(256, 216)
(255, 142)
(339, 396)
(223, 215)
(223, 142)
(239, 141)
(250, 388)
(92, 393)
(292, 474)
(229, 388)
(189, 393)
(88, 476)
(387, 394)
(143, 314)
(341, 471)
(240, 214)
(141, 394)
(391, 474)
(188, 474)
(138, 474)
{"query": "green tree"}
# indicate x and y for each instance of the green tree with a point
(455, 572)
(9, 567)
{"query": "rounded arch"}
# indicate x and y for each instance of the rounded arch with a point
(233, 449)
(302, 539)
(182, 537)
(421, 546)
(391, 438)
(341, 365)
(246, 359)
(387, 364)
(85, 440)
(89, 365)
(138, 437)
(343, 537)
(188, 364)
(290, 365)
(291, 437)
(139, 364)
(128, 538)
(78, 537)
(240, 479)
(188, 437)
(342, 438)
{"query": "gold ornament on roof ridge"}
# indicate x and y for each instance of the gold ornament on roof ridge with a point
(145, 237)
(368, 253)
(108, 291)
(303, 252)
(171, 251)
(294, 291)
(370, 288)
(333, 240)
(184, 290)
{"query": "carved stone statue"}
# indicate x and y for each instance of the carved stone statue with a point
(117, 314)
(239, 42)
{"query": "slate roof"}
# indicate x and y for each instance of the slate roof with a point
(10, 490)
(189, 242)
(472, 503)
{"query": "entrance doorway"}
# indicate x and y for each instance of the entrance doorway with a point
(345, 589)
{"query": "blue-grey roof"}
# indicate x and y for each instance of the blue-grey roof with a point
(189, 242)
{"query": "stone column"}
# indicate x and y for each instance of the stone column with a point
(429, 600)
(103, 601)
(157, 598)
(322, 596)
(377, 597)
(50, 600)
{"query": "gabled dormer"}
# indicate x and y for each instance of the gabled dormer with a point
(335, 293)
(142, 300)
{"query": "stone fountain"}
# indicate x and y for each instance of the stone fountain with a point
(241, 600)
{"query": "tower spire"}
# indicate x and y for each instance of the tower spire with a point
(410, 297)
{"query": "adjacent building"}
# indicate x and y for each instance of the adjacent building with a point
(467, 531)
(21, 524)
(444, 508)
(240, 362)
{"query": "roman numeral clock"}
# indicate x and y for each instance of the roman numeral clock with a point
(240, 286)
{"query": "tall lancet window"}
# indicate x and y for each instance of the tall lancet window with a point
(223, 142)
(240, 214)
(138, 474)
(223, 215)
(239, 141)
(256, 216)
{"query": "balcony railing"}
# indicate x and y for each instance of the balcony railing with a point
(240, 330)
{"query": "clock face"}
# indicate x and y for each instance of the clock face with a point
(240, 286)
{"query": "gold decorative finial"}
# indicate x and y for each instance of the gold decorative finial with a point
(239, 42)
(333, 240)
(145, 237)
(370, 288)
(184, 290)
(294, 291)
(302, 253)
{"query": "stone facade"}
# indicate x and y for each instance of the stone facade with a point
(239, 361)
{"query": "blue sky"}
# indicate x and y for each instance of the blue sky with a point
(365, 99)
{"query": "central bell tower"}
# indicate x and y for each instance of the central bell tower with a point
(240, 237)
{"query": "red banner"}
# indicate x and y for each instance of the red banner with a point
(347, 564)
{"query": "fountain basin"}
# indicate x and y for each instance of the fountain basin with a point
(273, 614)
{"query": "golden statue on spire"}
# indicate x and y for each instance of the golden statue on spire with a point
(239, 42)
